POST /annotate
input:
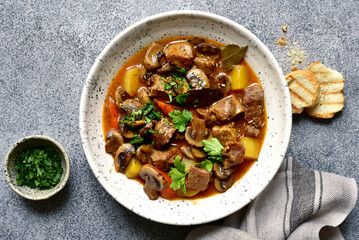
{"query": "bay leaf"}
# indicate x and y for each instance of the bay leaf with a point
(231, 55)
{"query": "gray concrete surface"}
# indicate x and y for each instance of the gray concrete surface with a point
(47, 49)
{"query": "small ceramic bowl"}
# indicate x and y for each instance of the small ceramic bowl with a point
(28, 143)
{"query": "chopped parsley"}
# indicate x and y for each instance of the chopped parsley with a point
(206, 164)
(146, 112)
(39, 167)
(182, 98)
(181, 119)
(137, 140)
(213, 149)
(181, 70)
(178, 175)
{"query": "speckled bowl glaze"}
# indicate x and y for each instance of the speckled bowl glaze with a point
(23, 145)
(130, 193)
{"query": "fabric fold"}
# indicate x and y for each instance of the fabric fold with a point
(299, 203)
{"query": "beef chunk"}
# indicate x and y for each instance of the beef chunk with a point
(224, 134)
(160, 88)
(250, 131)
(227, 108)
(205, 64)
(163, 133)
(197, 178)
(234, 154)
(164, 159)
(179, 53)
(253, 101)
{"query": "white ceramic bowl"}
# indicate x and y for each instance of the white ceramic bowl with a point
(129, 192)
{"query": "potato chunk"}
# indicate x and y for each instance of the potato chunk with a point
(239, 76)
(252, 147)
(131, 81)
(133, 168)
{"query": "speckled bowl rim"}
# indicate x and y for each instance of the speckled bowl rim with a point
(97, 66)
(63, 180)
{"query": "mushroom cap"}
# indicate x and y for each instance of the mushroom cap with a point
(207, 50)
(197, 78)
(123, 156)
(113, 140)
(197, 132)
(222, 173)
(120, 96)
(144, 153)
(198, 153)
(152, 56)
(149, 173)
(186, 150)
(223, 185)
(130, 105)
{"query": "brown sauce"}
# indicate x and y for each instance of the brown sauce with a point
(137, 59)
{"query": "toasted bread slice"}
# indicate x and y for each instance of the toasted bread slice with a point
(328, 105)
(303, 88)
(331, 99)
(330, 80)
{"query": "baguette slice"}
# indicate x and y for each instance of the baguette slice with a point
(330, 80)
(304, 89)
(331, 98)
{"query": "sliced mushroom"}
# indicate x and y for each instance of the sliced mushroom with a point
(129, 106)
(144, 153)
(137, 123)
(113, 141)
(222, 173)
(143, 131)
(154, 181)
(152, 56)
(125, 132)
(196, 40)
(186, 150)
(223, 185)
(206, 50)
(120, 96)
(222, 82)
(123, 156)
(197, 78)
(198, 153)
(143, 95)
(197, 132)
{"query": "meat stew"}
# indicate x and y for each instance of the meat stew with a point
(180, 121)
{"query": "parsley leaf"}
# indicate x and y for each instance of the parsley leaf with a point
(213, 149)
(178, 175)
(182, 98)
(206, 164)
(137, 140)
(181, 119)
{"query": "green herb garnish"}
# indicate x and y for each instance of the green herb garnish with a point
(213, 148)
(137, 140)
(182, 98)
(181, 119)
(178, 175)
(39, 167)
(206, 164)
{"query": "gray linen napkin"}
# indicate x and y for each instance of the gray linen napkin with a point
(298, 204)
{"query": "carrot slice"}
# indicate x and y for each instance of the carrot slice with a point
(114, 113)
(166, 108)
(168, 192)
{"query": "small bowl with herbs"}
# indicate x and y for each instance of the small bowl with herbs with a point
(37, 167)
